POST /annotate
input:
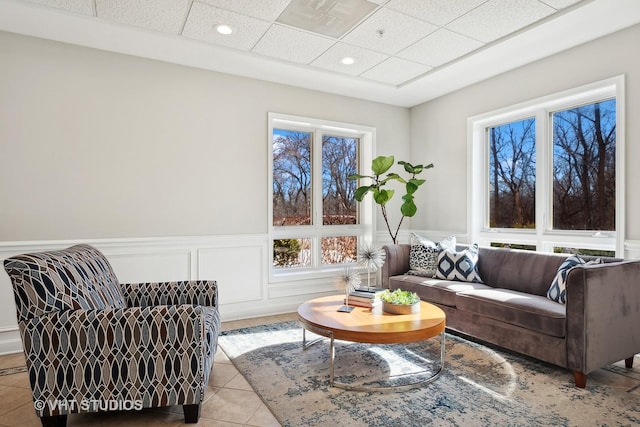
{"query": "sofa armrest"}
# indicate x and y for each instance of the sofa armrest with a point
(603, 314)
(152, 356)
(396, 261)
(196, 292)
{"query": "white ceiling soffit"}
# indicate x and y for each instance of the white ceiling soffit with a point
(465, 41)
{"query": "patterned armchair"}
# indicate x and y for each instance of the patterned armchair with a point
(93, 344)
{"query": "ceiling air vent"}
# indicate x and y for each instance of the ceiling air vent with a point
(332, 18)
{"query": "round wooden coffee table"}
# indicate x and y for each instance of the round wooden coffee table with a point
(363, 325)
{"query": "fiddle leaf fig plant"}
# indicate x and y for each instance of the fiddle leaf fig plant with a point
(382, 194)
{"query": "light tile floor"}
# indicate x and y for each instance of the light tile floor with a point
(229, 400)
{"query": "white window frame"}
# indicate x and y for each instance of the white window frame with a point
(543, 236)
(363, 230)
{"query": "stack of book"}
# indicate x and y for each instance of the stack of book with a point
(368, 298)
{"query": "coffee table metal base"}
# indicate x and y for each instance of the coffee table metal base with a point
(332, 357)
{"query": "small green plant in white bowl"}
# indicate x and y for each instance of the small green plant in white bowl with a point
(399, 297)
(400, 302)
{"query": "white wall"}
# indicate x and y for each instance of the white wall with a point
(439, 127)
(100, 145)
(161, 166)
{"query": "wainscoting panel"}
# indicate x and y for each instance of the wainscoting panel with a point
(237, 262)
(154, 266)
(238, 270)
(632, 249)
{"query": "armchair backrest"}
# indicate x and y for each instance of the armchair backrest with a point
(79, 277)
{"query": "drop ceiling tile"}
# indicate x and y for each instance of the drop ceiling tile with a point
(160, 15)
(395, 71)
(439, 48)
(399, 32)
(497, 18)
(202, 19)
(560, 4)
(79, 6)
(261, 9)
(292, 45)
(439, 12)
(364, 59)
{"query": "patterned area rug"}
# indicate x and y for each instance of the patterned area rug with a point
(479, 386)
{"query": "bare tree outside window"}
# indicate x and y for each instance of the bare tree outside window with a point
(545, 172)
(295, 198)
(584, 152)
(512, 175)
(291, 177)
(339, 160)
(338, 250)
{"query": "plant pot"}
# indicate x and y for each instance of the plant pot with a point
(401, 308)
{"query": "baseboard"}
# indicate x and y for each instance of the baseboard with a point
(10, 341)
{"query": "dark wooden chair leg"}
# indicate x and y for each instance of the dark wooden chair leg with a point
(628, 362)
(54, 421)
(580, 378)
(191, 413)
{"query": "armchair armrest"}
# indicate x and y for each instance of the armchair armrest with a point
(396, 261)
(151, 356)
(603, 314)
(196, 292)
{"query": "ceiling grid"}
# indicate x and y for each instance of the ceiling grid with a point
(391, 41)
(374, 49)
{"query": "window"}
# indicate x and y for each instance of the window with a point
(512, 171)
(584, 167)
(548, 174)
(315, 221)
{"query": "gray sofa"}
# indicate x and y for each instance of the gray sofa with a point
(599, 325)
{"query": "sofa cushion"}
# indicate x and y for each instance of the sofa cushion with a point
(520, 270)
(436, 291)
(533, 312)
(462, 266)
(423, 256)
(557, 291)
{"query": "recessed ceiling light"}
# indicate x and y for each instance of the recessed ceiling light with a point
(347, 60)
(223, 29)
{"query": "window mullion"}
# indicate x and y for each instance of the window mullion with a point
(544, 183)
(316, 204)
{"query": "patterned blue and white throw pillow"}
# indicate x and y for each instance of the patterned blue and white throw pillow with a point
(558, 290)
(423, 255)
(460, 266)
